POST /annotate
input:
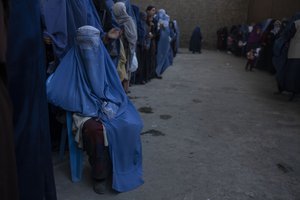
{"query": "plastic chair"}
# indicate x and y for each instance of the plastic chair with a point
(75, 153)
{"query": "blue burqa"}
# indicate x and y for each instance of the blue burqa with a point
(141, 29)
(26, 81)
(195, 44)
(86, 82)
(163, 46)
(63, 17)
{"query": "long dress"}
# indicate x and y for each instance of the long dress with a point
(8, 168)
(292, 82)
(141, 75)
(286, 57)
(163, 46)
(196, 40)
(26, 83)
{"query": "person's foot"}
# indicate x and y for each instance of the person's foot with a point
(99, 186)
(158, 77)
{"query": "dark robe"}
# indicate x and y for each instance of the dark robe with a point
(26, 82)
(8, 169)
(177, 31)
(141, 75)
(266, 45)
(173, 36)
(222, 35)
(151, 51)
(292, 68)
(287, 69)
(196, 40)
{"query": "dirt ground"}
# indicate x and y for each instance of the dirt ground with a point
(212, 131)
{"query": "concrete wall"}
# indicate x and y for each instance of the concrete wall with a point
(213, 14)
(208, 14)
(277, 9)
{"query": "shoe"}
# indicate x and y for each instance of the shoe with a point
(99, 186)
(158, 77)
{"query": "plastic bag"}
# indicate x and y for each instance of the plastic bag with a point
(134, 64)
(110, 109)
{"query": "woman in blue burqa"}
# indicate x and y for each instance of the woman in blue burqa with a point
(163, 45)
(61, 20)
(86, 83)
(196, 40)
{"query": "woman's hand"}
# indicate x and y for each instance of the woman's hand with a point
(114, 33)
(47, 40)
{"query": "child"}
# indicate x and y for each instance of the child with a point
(250, 59)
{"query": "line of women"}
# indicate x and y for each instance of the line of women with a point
(80, 56)
(275, 45)
(97, 48)
(157, 44)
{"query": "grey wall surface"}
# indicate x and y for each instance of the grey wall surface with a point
(213, 14)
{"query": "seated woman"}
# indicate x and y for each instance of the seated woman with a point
(95, 92)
